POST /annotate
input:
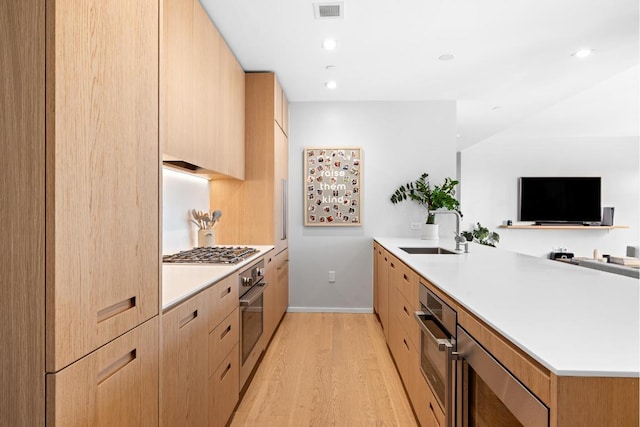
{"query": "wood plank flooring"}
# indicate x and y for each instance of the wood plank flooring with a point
(326, 369)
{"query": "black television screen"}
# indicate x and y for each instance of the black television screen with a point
(559, 199)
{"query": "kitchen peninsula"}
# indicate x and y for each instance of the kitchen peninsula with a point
(570, 335)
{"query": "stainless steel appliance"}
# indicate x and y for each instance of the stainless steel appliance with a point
(252, 285)
(211, 255)
(437, 346)
(488, 395)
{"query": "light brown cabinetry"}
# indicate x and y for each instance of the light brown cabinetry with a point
(185, 363)
(80, 175)
(202, 93)
(282, 282)
(113, 386)
(382, 291)
(281, 108)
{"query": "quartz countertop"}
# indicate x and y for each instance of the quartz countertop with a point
(181, 281)
(574, 321)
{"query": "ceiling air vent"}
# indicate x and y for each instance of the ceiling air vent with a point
(328, 10)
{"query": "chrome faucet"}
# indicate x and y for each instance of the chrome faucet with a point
(459, 237)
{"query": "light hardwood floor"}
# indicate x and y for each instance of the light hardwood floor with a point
(326, 369)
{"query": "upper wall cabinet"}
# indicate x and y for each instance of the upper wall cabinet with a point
(281, 108)
(202, 92)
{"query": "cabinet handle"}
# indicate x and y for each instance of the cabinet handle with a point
(225, 332)
(226, 371)
(116, 366)
(406, 311)
(405, 343)
(187, 319)
(283, 264)
(434, 413)
(405, 277)
(115, 309)
(393, 265)
(225, 292)
(284, 209)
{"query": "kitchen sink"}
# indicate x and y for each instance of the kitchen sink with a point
(429, 251)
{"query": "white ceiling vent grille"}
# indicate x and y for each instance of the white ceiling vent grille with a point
(328, 10)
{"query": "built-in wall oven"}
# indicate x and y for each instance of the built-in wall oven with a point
(437, 346)
(252, 285)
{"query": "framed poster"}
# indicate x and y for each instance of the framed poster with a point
(333, 186)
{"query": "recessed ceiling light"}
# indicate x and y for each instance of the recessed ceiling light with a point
(582, 53)
(446, 57)
(330, 67)
(331, 84)
(497, 107)
(329, 44)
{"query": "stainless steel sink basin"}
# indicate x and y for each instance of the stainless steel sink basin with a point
(429, 251)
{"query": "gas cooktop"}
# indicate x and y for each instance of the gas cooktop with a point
(211, 255)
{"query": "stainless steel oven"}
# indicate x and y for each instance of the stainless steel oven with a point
(487, 393)
(252, 287)
(437, 346)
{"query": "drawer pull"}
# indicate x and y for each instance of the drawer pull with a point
(225, 332)
(283, 264)
(406, 278)
(225, 292)
(393, 265)
(405, 343)
(226, 371)
(117, 365)
(187, 319)
(115, 309)
(406, 311)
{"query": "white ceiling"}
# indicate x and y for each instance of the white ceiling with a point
(512, 54)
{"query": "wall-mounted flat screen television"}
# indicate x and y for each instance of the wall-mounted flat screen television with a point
(559, 199)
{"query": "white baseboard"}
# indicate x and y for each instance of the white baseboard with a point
(329, 310)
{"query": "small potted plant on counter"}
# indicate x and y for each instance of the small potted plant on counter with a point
(438, 197)
(482, 235)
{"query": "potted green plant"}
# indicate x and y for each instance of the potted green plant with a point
(438, 197)
(482, 235)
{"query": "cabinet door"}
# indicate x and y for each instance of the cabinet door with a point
(223, 300)
(382, 273)
(177, 79)
(206, 103)
(102, 240)
(285, 114)
(224, 389)
(423, 400)
(116, 385)
(184, 368)
(278, 99)
(375, 279)
(281, 208)
(282, 274)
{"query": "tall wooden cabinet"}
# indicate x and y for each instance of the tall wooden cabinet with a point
(79, 182)
(202, 93)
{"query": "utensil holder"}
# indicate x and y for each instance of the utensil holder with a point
(206, 238)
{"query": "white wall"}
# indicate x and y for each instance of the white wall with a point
(400, 140)
(180, 193)
(489, 180)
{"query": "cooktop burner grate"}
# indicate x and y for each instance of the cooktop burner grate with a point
(211, 255)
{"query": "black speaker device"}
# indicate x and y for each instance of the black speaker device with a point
(607, 216)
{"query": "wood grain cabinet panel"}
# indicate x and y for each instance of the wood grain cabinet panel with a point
(102, 173)
(177, 82)
(382, 274)
(222, 339)
(22, 209)
(184, 369)
(224, 387)
(282, 282)
(116, 385)
(271, 305)
(223, 299)
(266, 165)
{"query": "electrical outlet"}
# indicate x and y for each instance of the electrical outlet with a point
(416, 226)
(332, 276)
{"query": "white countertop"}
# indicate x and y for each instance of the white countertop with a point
(573, 320)
(181, 281)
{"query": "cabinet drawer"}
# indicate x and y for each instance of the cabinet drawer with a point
(400, 346)
(116, 385)
(223, 339)
(406, 280)
(404, 312)
(223, 300)
(224, 388)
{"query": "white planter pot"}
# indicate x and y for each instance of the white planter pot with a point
(429, 232)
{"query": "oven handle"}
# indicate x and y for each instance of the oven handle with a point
(443, 344)
(251, 296)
